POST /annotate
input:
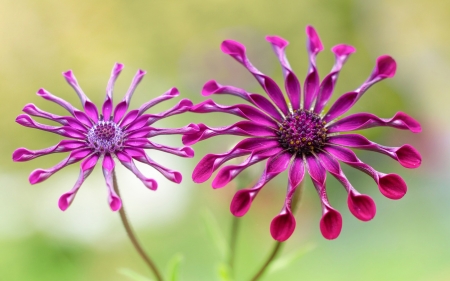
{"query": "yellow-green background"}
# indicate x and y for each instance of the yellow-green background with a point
(177, 43)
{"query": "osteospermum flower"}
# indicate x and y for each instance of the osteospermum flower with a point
(113, 133)
(298, 135)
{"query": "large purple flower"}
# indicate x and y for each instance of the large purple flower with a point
(300, 136)
(113, 133)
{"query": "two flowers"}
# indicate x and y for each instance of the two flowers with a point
(294, 133)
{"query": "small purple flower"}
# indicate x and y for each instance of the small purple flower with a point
(299, 136)
(113, 133)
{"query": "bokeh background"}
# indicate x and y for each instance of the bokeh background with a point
(177, 43)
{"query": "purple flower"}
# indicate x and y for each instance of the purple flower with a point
(299, 136)
(113, 133)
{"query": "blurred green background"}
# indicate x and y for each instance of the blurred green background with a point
(177, 43)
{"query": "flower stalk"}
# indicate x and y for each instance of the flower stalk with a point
(279, 244)
(133, 237)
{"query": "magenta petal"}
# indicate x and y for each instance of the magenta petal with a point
(33, 110)
(316, 170)
(361, 121)
(46, 95)
(140, 155)
(241, 202)
(241, 110)
(212, 87)
(331, 223)
(23, 154)
(70, 78)
(275, 94)
(361, 206)
(136, 80)
(110, 86)
(408, 156)
(228, 173)
(119, 111)
(392, 186)
(385, 68)
(171, 93)
(126, 160)
(39, 175)
(292, 84)
(342, 50)
(130, 117)
(340, 106)
(242, 128)
(282, 226)
(86, 168)
(296, 171)
(314, 45)
(91, 111)
(107, 109)
(108, 167)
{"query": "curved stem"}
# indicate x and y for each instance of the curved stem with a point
(133, 237)
(278, 245)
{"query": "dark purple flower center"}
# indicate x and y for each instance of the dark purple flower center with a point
(302, 132)
(105, 136)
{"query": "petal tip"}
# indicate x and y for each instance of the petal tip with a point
(282, 226)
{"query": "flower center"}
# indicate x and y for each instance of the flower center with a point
(302, 132)
(105, 136)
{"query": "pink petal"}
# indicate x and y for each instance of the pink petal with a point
(406, 155)
(119, 111)
(66, 131)
(361, 206)
(228, 173)
(46, 95)
(242, 110)
(108, 167)
(314, 46)
(91, 111)
(211, 162)
(110, 86)
(331, 223)
(148, 132)
(241, 202)
(39, 175)
(296, 171)
(144, 143)
(385, 68)
(361, 121)
(340, 106)
(242, 128)
(70, 78)
(212, 87)
(140, 155)
(86, 168)
(171, 93)
(126, 160)
(136, 80)
(282, 226)
(390, 185)
(23, 154)
(291, 82)
(33, 110)
(147, 119)
(243, 199)
(237, 51)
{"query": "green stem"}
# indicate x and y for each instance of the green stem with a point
(133, 237)
(233, 240)
(278, 245)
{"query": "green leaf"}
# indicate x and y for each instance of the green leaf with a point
(224, 272)
(287, 260)
(173, 268)
(133, 275)
(214, 231)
